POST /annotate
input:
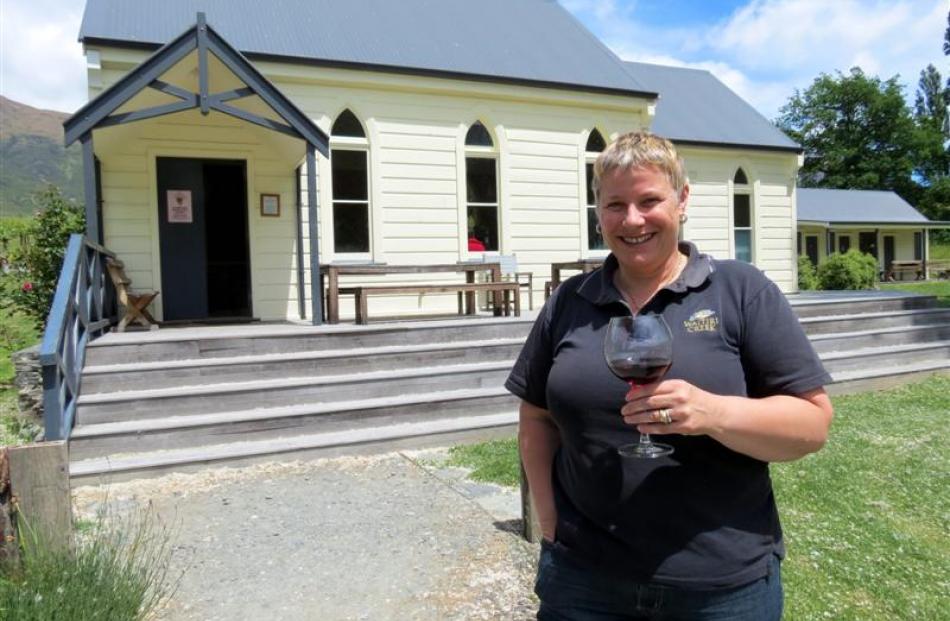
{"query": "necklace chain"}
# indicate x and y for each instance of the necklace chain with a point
(635, 306)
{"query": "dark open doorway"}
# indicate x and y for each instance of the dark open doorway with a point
(203, 239)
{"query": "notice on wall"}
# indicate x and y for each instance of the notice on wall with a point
(179, 207)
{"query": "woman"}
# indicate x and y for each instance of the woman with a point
(693, 535)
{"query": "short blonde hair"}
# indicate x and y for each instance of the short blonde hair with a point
(638, 150)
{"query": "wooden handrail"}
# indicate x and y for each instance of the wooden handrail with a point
(84, 306)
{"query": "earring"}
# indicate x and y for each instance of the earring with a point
(597, 229)
(683, 218)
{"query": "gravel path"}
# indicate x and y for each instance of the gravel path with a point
(395, 536)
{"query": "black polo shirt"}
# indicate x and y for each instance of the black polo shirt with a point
(705, 516)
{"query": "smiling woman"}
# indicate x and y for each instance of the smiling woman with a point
(690, 531)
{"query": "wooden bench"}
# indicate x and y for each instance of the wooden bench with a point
(905, 267)
(939, 268)
(510, 290)
(134, 303)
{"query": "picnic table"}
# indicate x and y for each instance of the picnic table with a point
(581, 265)
(332, 272)
(905, 267)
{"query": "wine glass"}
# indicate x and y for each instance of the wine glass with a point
(639, 350)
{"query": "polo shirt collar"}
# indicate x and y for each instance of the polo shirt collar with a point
(598, 288)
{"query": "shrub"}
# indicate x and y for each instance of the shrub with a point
(114, 572)
(34, 266)
(851, 270)
(807, 277)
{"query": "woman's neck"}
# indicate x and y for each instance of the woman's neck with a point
(639, 289)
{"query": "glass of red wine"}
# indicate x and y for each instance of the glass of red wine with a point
(639, 350)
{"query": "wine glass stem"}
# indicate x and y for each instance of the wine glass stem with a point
(645, 440)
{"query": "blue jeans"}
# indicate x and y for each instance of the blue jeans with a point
(570, 592)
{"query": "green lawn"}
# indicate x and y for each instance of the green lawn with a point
(866, 519)
(939, 251)
(939, 288)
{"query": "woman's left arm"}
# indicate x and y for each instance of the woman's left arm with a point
(776, 428)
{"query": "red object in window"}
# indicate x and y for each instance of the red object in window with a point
(475, 244)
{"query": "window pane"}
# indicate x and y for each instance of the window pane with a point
(483, 225)
(480, 177)
(595, 241)
(590, 184)
(347, 125)
(349, 175)
(740, 177)
(844, 244)
(744, 246)
(350, 227)
(478, 136)
(595, 143)
(918, 246)
(742, 212)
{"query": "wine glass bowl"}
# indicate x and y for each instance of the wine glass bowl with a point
(639, 350)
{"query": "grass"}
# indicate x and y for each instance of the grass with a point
(939, 251)
(16, 333)
(939, 288)
(117, 570)
(495, 461)
(866, 519)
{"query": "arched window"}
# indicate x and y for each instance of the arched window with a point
(349, 165)
(595, 144)
(347, 125)
(478, 136)
(742, 217)
(481, 190)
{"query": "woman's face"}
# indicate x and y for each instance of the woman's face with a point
(639, 214)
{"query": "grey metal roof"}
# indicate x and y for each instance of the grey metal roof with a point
(695, 107)
(855, 206)
(534, 41)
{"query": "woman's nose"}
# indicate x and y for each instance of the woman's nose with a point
(633, 216)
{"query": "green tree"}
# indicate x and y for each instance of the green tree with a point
(857, 132)
(932, 98)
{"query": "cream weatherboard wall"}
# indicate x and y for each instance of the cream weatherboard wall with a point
(771, 177)
(415, 129)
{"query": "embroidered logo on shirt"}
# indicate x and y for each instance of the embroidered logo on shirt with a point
(702, 321)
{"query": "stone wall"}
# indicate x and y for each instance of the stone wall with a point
(28, 379)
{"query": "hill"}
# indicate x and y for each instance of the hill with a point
(32, 155)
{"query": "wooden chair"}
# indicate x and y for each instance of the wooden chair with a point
(134, 303)
(509, 272)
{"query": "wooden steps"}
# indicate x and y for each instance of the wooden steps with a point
(173, 400)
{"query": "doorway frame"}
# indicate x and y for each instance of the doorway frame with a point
(152, 155)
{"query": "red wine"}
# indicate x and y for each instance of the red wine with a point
(639, 370)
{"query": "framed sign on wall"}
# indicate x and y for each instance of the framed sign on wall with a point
(270, 205)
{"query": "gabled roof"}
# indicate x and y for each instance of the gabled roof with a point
(695, 107)
(855, 207)
(522, 41)
(200, 37)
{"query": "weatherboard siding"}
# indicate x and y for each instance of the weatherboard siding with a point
(771, 186)
(415, 128)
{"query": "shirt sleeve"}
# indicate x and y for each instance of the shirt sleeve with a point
(777, 356)
(529, 376)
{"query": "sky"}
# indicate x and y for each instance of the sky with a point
(762, 49)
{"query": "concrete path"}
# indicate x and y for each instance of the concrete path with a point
(395, 536)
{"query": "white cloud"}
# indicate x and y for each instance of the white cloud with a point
(798, 39)
(766, 49)
(41, 62)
